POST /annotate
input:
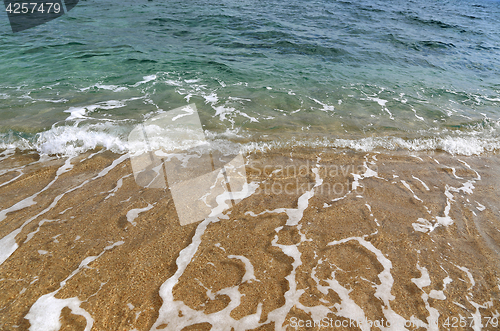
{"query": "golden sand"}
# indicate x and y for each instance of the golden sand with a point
(120, 289)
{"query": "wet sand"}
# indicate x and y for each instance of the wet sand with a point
(332, 235)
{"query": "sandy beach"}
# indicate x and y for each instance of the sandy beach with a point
(326, 235)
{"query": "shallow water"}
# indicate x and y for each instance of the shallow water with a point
(409, 239)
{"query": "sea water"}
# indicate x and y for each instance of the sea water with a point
(394, 74)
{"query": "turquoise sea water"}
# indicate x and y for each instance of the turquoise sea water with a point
(396, 74)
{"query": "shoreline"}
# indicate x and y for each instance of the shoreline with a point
(70, 141)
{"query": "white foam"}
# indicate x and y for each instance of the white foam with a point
(326, 108)
(81, 112)
(134, 213)
(409, 188)
(223, 111)
(45, 313)
(478, 176)
(187, 111)
(367, 174)
(251, 118)
(8, 243)
(249, 275)
(145, 79)
(27, 202)
(424, 225)
(113, 88)
(106, 170)
(325, 205)
(112, 192)
(461, 145)
(425, 281)
(476, 316)
(382, 103)
(383, 290)
(211, 98)
(71, 140)
(222, 199)
(421, 182)
(347, 307)
(472, 282)
(31, 234)
(418, 117)
(295, 214)
(220, 320)
(292, 295)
